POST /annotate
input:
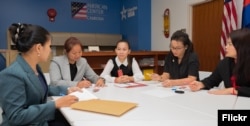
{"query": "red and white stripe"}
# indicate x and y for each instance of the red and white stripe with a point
(82, 13)
(229, 23)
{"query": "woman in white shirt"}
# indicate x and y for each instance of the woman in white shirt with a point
(122, 68)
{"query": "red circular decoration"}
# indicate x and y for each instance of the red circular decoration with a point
(52, 14)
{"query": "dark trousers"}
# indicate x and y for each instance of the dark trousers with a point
(59, 120)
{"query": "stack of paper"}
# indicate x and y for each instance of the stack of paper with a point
(84, 95)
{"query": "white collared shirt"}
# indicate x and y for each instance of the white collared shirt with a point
(106, 73)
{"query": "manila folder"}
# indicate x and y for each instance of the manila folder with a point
(116, 108)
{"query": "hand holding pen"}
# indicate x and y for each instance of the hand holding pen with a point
(84, 83)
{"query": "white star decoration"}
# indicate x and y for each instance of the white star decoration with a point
(123, 13)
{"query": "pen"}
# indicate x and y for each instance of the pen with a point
(61, 94)
(83, 78)
(174, 88)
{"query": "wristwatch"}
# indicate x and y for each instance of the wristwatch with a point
(102, 79)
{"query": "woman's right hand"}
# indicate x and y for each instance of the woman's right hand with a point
(66, 101)
(84, 84)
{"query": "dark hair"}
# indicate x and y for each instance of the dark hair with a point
(124, 41)
(24, 36)
(183, 37)
(128, 57)
(70, 42)
(241, 41)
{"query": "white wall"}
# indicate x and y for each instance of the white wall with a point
(180, 18)
(239, 6)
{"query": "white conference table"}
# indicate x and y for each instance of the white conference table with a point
(157, 106)
(242, 103)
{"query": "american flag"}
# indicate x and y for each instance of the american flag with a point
(229, 23)
(79, 10)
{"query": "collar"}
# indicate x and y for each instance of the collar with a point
(118, 62)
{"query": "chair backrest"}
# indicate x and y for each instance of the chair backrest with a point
(1, 116)
(47, 77)
(204, 74)
(2, 62)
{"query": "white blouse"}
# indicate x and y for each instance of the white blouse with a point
(106, 73)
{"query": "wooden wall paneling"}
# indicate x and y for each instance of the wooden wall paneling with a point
(207, 18)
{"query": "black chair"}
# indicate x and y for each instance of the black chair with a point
(2, 62)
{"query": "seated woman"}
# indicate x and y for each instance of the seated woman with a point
(233, 70)
(24, 91)
(181, 64)
(122, 68)
(72, 69)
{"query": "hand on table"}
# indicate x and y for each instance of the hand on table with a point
(225, 91)
(65, 101)
(123, 79)
(155, 77)
(196, 86)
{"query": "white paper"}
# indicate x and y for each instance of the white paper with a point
(124, 85)
(84, 95)
(160, 92)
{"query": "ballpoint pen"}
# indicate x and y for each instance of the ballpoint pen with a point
(83, 78)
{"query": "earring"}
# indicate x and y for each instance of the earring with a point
(38, 54)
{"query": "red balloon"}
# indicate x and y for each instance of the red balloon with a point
(52, 14)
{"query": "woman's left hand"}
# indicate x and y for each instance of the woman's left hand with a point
(226, 91)
(100, 82)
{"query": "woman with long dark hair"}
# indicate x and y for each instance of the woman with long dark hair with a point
(233, 70)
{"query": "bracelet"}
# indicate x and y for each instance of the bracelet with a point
(233, 92)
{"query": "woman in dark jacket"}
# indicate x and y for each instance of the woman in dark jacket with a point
(24, 90)
(234, 70)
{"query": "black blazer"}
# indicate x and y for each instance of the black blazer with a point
(223, 72)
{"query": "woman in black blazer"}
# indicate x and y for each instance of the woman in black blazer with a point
(234, 70)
